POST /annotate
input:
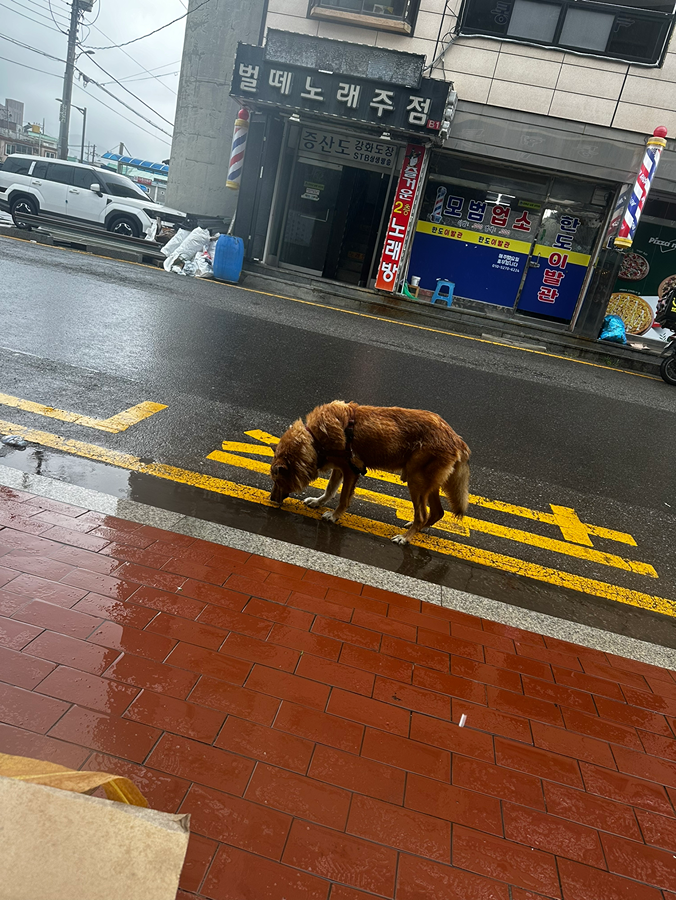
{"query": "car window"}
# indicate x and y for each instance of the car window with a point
(40, 170)
(16, 166)
(120, 186)
(84, 178)
(60, 173)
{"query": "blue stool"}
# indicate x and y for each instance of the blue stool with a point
(443, 293)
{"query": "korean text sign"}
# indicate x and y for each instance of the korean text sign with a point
(335, 95)
(400, 217)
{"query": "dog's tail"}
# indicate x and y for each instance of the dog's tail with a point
(456, 486)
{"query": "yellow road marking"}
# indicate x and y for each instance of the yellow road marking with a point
(351, 312)
(237, 447)
(404, 510)
(358, 523)
(572, 529)
(115, 424)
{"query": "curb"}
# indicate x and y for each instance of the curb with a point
(465, 321)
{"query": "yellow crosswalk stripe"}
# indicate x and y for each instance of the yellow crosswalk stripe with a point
(115, 424)
(404, 510)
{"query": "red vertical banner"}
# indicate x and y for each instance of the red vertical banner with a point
(400, 217)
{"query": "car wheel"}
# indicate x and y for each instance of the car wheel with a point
(125, 226)
(23, 206)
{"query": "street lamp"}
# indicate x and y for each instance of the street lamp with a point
(83, 110)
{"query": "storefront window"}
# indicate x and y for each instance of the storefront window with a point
(510, 238)
(476, 229)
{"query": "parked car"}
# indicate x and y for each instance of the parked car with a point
(32, 185)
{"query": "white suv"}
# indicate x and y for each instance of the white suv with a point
(32, 185)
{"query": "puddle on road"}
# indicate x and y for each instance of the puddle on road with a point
(95, 476)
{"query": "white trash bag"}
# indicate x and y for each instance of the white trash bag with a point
(204, 266)
(196, 242)
(175, 242)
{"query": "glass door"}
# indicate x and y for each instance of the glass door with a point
(311, 206)
(558, 265)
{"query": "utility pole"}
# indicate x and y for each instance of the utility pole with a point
(77, 7)
(84, 126)
(121, 152)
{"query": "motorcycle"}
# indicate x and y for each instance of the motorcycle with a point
(666, 317)
(668, 364)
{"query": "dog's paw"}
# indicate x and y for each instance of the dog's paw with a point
(399, 539)
(330, 516)
(312, 502)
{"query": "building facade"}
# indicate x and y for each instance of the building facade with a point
(516, 189)
(15, 137)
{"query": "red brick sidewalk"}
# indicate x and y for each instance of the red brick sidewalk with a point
(308, 723)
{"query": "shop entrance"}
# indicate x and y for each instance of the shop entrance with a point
(333, 218)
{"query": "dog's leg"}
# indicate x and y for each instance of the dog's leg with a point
(436, 509)
(330, 491)
(350, 479)
(419, 513)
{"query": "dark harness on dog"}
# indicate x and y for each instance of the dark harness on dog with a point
(349, 437)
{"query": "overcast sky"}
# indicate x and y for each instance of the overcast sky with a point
(113, 21)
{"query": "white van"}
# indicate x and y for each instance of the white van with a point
(32, 185)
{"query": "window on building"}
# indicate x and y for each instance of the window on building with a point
(49, 154)
(27, 150)
(634, 31)
(389, 15)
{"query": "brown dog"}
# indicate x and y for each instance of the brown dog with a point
(346, 438)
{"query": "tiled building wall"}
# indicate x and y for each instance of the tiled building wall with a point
(517, 76)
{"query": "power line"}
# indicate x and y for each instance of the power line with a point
(135, 96)
(5, 37)
(43, 71)
(91, 96)
(51, 12)
(42, 8)
(34, 21)
(135, 78)
(117, 113)
(96, 17)
(161, 28)
(89, 80)
(140, 65)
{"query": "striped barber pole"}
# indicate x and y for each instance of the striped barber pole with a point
(238, 149)
(653, 151)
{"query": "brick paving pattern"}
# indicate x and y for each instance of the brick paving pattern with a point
(308, 723)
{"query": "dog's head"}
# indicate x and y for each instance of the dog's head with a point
(294, 464)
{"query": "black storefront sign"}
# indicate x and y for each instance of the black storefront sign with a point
(301, 89)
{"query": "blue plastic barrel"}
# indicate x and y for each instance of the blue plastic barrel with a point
(228, 258)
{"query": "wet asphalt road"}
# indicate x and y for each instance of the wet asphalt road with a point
(96, 336)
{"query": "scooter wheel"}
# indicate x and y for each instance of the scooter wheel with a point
(668, 369)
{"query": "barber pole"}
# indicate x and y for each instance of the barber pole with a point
(653, 151)
(437, 216)
(238, 149)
